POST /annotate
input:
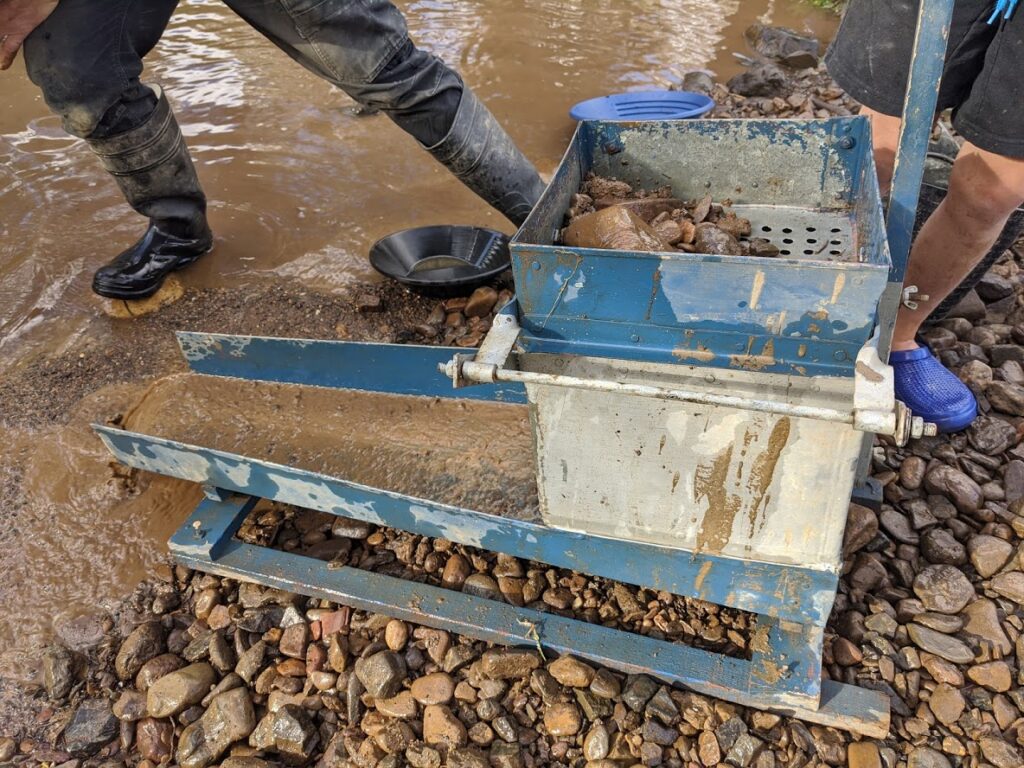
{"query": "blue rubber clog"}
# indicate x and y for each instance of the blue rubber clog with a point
(931, 390)
(644, 105)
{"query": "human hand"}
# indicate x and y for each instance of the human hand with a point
(17, 20)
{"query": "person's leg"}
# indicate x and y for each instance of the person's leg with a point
(984, 189)
(87, 58)
(885, 135)
(364, 49)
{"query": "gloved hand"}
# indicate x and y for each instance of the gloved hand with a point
(1004, 8)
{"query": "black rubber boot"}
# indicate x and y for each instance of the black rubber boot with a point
(484, 158)
(152, 166)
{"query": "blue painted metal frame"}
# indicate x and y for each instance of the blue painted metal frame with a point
(796, 594)
(407, 369)
(790, 316)
(784, 671)
(919, 105)
(781, 675)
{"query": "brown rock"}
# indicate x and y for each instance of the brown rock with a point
(291, 668)
(991, 435)
(976, 375)
(911, 476)
(156, 668)
(229, 718)
(571, 672)
(1000, 753)
(994, 675)
(1006, 397)
(947, 704)
(440, 726)
(142, 644)
(941, 670)
(647, 208)
(396, 634)
(562, 719)
(130, 706)
(708, 750)
(965, 494)
(456, 570)
(710, 239)
(605, 685)
(154, 738)
(508, 663)
(845, 653)
(481, 302)
(1009, 585)
(294, 640)
(943, 588)
(939, 546)
(868, 572)
(988, 554)
(169, 292)
(669, 231)
(861, 528)
(402, 705)
(369, 302)
(984, 628)
(337, 653)
(926, 757)
(614, 228)
(395, 737)
(943, 646)
(596, 743)
(179, 690)
(435, 688)
(863, 754)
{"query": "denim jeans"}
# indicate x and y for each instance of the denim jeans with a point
(87, 58)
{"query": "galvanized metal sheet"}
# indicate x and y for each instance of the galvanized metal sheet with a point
(707, 479)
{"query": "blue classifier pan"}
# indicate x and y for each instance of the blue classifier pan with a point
(644, 105)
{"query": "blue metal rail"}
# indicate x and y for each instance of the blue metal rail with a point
(782, 674)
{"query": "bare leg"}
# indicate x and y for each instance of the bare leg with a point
(984, 189)
(885, 135)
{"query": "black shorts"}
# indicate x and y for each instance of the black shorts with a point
(983, 81)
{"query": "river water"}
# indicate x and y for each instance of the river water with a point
(299, 186)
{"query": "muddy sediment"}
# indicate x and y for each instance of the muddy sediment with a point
(474, 455)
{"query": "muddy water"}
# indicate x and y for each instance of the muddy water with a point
(298, 184)
(80, 533)
(299, 187)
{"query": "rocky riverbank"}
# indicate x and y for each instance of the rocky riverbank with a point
(194, 670)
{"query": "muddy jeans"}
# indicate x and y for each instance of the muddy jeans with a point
(87, 59)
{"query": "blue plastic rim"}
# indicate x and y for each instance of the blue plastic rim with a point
(644, 105)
